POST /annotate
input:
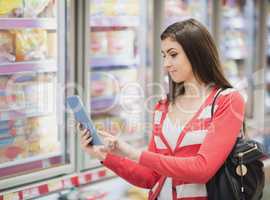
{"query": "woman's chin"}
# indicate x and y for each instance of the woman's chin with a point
(177, 80)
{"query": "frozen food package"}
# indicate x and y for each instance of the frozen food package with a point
(31, 44)
(96, 8)
(52, 44)
(3, 82)
(11, 8)
(50, 10)
(98, 44)
(32, 8)
(131, 8)
(7, 53)
(123, 8)
(121, 43)
(42, 135)
(103, 84)
(12, 148)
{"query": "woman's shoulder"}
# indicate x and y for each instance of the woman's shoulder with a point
(232, 95)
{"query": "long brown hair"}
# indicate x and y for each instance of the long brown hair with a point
(202, 53)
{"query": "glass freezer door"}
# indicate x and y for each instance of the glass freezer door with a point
(237, 44)
(178, 10)
(267, 78)
(32, 77)
(117, 63)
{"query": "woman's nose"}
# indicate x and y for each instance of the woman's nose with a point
(167, 64)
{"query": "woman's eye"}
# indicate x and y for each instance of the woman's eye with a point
(174, 55)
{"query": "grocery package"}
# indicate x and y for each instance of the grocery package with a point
(12, 128)
(121, 43)
(42, 135)
(117, 88)
(114, 8)
(98, 44)
(52, 44)
(113, 124)
(103, 84)
(11, 8)
(7, 53)
(50, 10)
(7, 93)
(28, 92)
(32, 8)
(12, 148)
(31, 44)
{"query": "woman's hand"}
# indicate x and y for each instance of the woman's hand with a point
(112, 144)
(94, 151)
(117, 146)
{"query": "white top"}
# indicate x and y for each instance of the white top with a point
(171, 134)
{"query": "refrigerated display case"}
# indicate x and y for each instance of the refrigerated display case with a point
(178, 10)
(237, 45)
(117, 59)
(33, 72)
(235, 39)
(267, 78)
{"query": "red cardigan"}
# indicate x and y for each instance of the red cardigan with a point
(201, 149)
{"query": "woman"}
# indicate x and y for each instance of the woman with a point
(188, 145)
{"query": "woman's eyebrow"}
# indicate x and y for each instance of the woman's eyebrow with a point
(168, 50)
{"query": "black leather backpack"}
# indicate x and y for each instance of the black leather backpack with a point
(242, 176)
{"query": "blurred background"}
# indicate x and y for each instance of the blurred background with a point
(108, 52)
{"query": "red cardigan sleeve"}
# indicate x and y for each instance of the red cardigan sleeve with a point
(219, 141)
(131, 171)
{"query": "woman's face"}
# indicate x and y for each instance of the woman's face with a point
(175, 61)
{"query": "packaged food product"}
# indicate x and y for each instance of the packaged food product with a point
(14, 148)
(32, 8)
(50, 10)
(31, 44)
(131, 8)
(98, 44)
(10, 8)
(52, 44)
(121, 43)
(3, 82)
(96, 8)
(7, 53)
(43, 135)
(103, 84)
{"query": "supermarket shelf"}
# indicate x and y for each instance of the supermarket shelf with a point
(112, 61)
(235, 54)
(27, 160)
(54, 185)
(20, 113)
(234, 23)
(19, 23)
(112, 21)
(28, 66)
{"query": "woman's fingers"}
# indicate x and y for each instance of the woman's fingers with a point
(110, 143)
(86, 138)
(103, 133)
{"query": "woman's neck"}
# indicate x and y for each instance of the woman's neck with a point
(196, 89)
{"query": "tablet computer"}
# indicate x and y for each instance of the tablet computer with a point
(81, 116)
